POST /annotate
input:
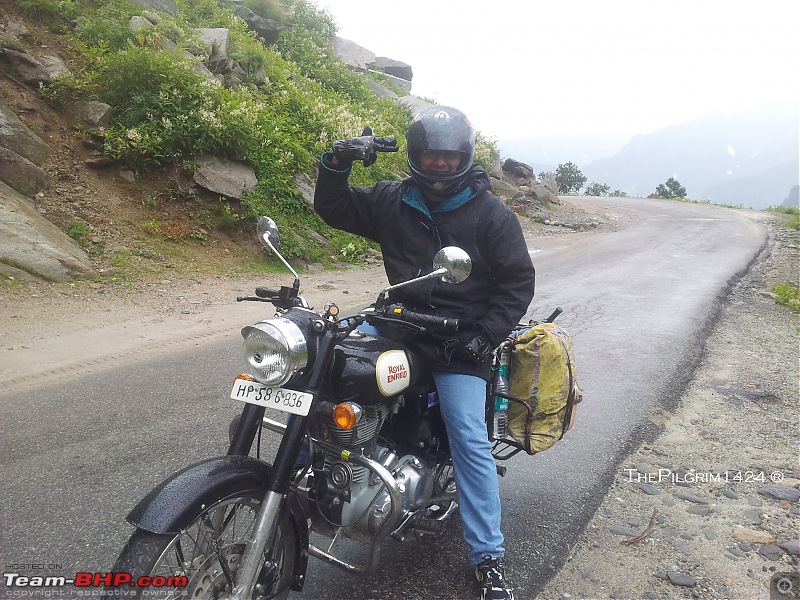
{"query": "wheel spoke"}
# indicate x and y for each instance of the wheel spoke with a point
(209, 553)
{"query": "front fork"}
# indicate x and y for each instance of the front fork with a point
(280, 474)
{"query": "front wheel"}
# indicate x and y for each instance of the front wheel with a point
(202, 560)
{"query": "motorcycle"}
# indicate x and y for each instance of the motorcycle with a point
(363, 456)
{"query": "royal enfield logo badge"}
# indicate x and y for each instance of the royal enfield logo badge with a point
(393, 372)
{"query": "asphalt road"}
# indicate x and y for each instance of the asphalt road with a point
(77, 456)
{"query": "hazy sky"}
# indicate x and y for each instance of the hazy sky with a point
(528, 67)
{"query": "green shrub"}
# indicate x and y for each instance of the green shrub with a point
(106, 23)
(78, 230)
(486, 152)
(58, 14)
(305, 15)
(269, 9)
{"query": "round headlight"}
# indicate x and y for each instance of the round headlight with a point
(274, 350)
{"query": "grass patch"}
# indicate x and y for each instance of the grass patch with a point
(791, 215)
(787, 294)
(78, 230)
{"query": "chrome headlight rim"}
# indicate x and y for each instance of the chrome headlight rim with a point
(274, 350)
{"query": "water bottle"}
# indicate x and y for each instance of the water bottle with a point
(500, 423)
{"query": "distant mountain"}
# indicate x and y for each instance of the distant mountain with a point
(749, 158)
(793, 199)
(545, 153)
(771, 188)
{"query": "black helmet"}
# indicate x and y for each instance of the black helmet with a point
(440, 128)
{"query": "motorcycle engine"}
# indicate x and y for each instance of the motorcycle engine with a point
(349, 496)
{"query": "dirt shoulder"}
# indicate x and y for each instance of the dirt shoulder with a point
(53, 330)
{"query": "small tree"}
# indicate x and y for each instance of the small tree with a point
(569, 178)
(597, 189)
(671, 189)
(618, 194)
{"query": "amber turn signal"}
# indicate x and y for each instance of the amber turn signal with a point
(345, 415)
(245, 376)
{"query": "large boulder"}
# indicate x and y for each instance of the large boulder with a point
(354, 56)
(167, 6)
(89, 114)
(415, 104)
(36, 71)
(21, 174)
(396, 81)
(216, 40)
(506, 192)
(138, 22)
(266, 29)
(519, 170)
(381, 91)
(32, 245)
(225, 177)
(15, 136)
(549, 181)
(393, 67)
(541, 194)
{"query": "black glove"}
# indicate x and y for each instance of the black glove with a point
(364, 148)
(479, 349)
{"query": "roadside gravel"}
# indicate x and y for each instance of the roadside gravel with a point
(709, 508)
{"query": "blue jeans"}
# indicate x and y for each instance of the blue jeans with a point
(462, 401)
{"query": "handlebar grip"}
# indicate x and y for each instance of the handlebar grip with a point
(429, 321)
(265, 292)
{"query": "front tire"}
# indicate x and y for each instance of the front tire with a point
(192, 554)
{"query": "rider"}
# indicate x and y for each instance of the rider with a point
(446, 202)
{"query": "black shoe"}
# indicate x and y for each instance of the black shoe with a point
(491, 576)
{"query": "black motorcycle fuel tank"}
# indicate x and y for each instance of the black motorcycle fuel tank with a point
(369, 370)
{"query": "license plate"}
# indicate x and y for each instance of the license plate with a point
(291, 401)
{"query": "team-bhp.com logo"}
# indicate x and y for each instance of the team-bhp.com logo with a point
(87, 580)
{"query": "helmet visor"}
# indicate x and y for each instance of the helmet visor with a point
(441, 132)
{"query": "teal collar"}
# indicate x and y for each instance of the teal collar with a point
(414, 198)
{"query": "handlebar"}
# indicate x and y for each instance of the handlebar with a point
(396, 311)
(555, 314)
(285, 297)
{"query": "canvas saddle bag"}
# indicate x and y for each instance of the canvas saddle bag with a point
(543, 386)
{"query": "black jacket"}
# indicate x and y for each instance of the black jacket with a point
(491, 300)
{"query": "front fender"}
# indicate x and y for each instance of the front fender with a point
(176, 502)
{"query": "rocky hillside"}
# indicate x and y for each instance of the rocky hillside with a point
(69, 209)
